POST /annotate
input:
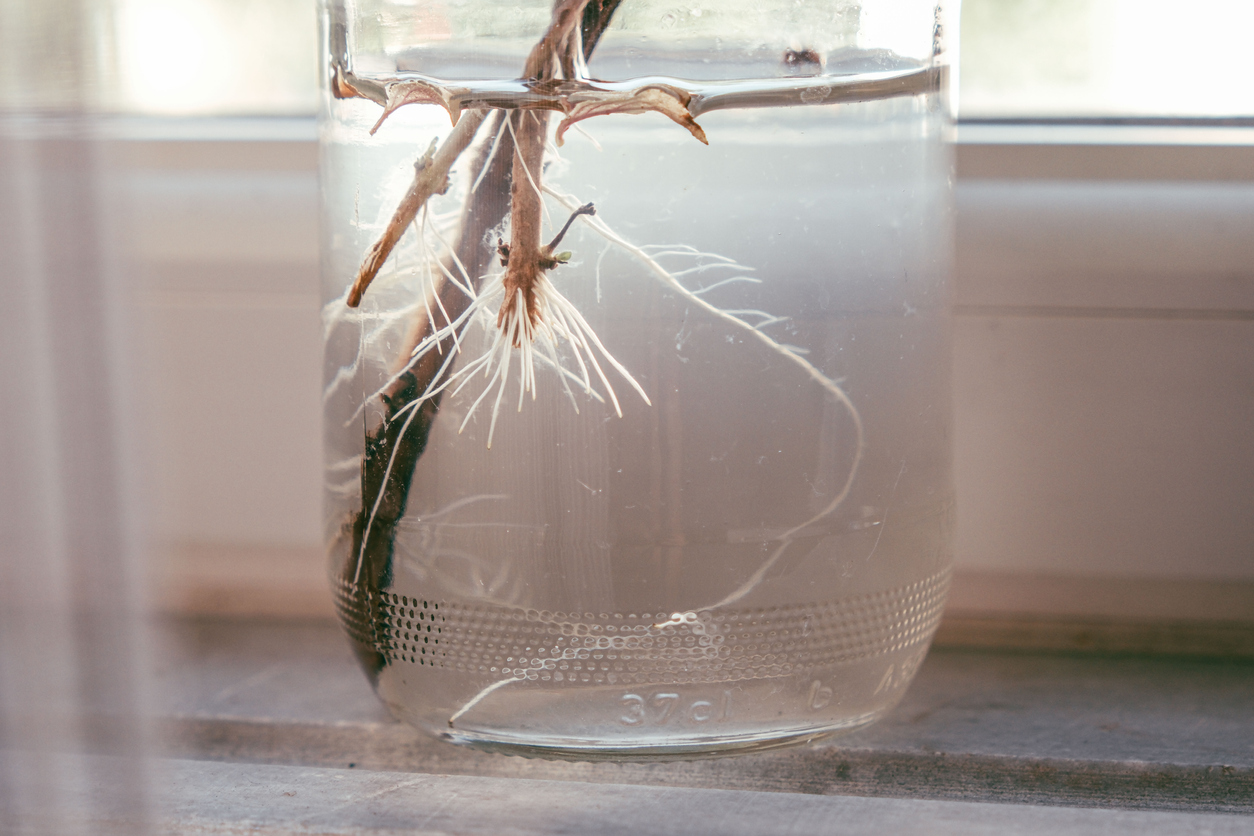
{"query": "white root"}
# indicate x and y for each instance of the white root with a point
(735, 317)
(832, 387)
(558, 322)
(336, 312)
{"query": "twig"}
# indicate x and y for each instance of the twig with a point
(430, 178)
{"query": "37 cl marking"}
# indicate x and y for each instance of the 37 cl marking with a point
(658, 709)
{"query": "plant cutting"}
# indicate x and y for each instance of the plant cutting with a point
(481, 241)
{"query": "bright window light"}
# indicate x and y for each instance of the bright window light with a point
(1107, 58)
(216, 57)
(168, 51)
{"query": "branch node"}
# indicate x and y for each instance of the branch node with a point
(666, 99)
(400, 93)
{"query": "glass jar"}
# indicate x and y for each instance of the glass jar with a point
(637, 406)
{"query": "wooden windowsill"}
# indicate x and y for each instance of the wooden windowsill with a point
(1131, 732)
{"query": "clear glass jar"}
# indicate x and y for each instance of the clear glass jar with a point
(675, 481)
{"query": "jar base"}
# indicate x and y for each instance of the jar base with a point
(678, 748)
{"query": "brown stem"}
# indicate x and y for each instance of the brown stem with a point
(531, 129)
(526, 208)
(596, 19)
(484, 210)
(431, 170)
(567, 14)
(430, 178)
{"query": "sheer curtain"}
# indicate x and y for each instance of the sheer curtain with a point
(71, 694)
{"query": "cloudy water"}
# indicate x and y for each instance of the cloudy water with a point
(761, 549)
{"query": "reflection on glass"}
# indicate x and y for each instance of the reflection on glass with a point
(1020, 58)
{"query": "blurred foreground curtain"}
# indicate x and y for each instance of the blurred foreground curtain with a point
(70, 660)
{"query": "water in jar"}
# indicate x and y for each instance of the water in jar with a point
(757, 553)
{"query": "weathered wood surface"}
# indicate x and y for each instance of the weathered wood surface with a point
(1133, 732)
(252, 800)
(1198, 639)
(815, 770)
